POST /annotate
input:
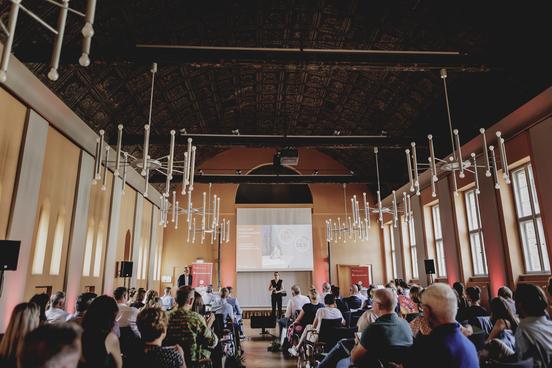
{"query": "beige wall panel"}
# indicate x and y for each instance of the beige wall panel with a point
(12, 124)
(57, 192)
(126, 231)
(96, 236)
(145, 245)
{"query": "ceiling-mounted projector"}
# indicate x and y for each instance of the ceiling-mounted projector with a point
(289, 157)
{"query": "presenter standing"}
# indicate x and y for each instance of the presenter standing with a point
(277, 292)
(186, 278)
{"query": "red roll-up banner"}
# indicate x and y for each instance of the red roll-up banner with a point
(202, 274)
(361, 273)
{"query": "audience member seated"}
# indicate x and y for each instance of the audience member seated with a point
(445, 346)
(294, 306)
(462, 301)
(534, 332)
(152, 299)
(406, 304)
(368, 317)
(341, 305)
(209, 297)
(223, 307)
(100, 345)
(506, 293)
(308, 312)
(474, 307)
(233, 301)
(24, 318)
(152, 323)
(127, 315)
(355, 300)
(57, 345)
(83, 302)
(329, 311)
(190, 330)
(326, 289)
(500, 343)
(42, 301)
(56, 312)
(167, 300)
(198, 306)
(138, 299)
(389, 331)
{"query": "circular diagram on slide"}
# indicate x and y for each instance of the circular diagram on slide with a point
(285, 235)
(302, 244)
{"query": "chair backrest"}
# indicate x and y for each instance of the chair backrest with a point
(347, 318)
(327, 326)
(219, 324)
(528, 363)
(395, 354)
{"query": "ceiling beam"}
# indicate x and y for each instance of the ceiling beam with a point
(271, 179)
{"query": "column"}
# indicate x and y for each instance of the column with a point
(397, 234)
(22, 223)
(421, 251)
(137, 238)
(448, 227)
(79, 225)
(154, 247)
(112, 235)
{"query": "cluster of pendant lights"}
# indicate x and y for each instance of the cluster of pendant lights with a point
(209, 222)
(357, 228)
(87, 33)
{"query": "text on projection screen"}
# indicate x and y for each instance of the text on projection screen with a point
(271, 239)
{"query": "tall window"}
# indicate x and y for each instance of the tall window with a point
(479, 259)
(393, 250)
(438, 236)
(530, 222)
(409, 237)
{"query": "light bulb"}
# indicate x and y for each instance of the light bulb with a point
(53, 74)
(3, 76)
(84, 60)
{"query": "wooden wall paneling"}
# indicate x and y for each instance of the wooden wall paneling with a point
(57, 191)
(25, 201)
(78, 232)
(12, 124)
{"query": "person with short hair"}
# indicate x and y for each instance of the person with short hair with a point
(100, 345)
(167, 300)
(355, 300)
(186, 278)
(326, 289)
(209, 297)
(56, 311)
(83, 302)
(223, 307)
(506, 293)
(534, 332)
(189, 329)
(25, 317)
(53, 345)
(445, 346)
(152, 323)
(127, 315)
(341, 305)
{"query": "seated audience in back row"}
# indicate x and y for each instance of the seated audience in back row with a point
(223, 307)
(445, 346)
(474, 309)
(83, 302)
(506, 293)
(138, 299)
(294, 306)
(190, 330)
(127, 315)
(341, 305)
(152, 299)
(152, 323)
(56, 312)
(167, 300)
(462, 301)
(42, 301)
(534, 332)
(24, 318)
(56, 345)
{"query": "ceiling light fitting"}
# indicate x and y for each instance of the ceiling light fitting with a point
(87, 33)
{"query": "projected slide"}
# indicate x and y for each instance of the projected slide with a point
(274, 239)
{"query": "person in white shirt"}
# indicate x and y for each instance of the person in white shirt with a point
(326, 289)
(209, 297)
(56, 312)
(127, 315)
(330, 311)
(223, 307)
(294, 305)
(167, 300)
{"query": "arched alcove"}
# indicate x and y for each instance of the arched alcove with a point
(273, 193)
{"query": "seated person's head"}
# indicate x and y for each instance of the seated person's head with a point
(313, 296)
(329, 300)
(42, 301)
(474, 294)
(459, 288)
(354, 289)
(140, 295)
(295, 290)
(326, 287)
(229, 288)
(51, 346)
(384, 302)
(530, 301)
(505, 292)
(439, 304)
(84, 300)
(500, 310)
(100, 315)
(185, 296)
(198, 305)
(209, 289)
(335, 291)
(416, 294)
(167, 291)
(57, 300)
(152, 298)
(121, 294)
(549, 289)
(152, 324)
(223, 293)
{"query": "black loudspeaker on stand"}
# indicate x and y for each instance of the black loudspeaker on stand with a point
(430, 268)
(9, 255)
(125, 271)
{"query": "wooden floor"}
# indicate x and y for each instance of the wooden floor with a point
(256, 354)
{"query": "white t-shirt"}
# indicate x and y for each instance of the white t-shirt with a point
(167, 302)
(327, 313)
(296, 303)
(56, 315)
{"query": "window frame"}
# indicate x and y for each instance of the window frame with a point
(438, 244)
(533, 217)
(392, 251)
(477, 231)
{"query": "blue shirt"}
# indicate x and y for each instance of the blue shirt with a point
(446, 347)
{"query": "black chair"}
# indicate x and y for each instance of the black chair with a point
(478, 339)
(528, 363)
(347, 318)
(395, 354)
(326, 334)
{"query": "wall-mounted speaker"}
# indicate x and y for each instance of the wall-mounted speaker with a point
(9, 254)
(429, 266)
(126, 269)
